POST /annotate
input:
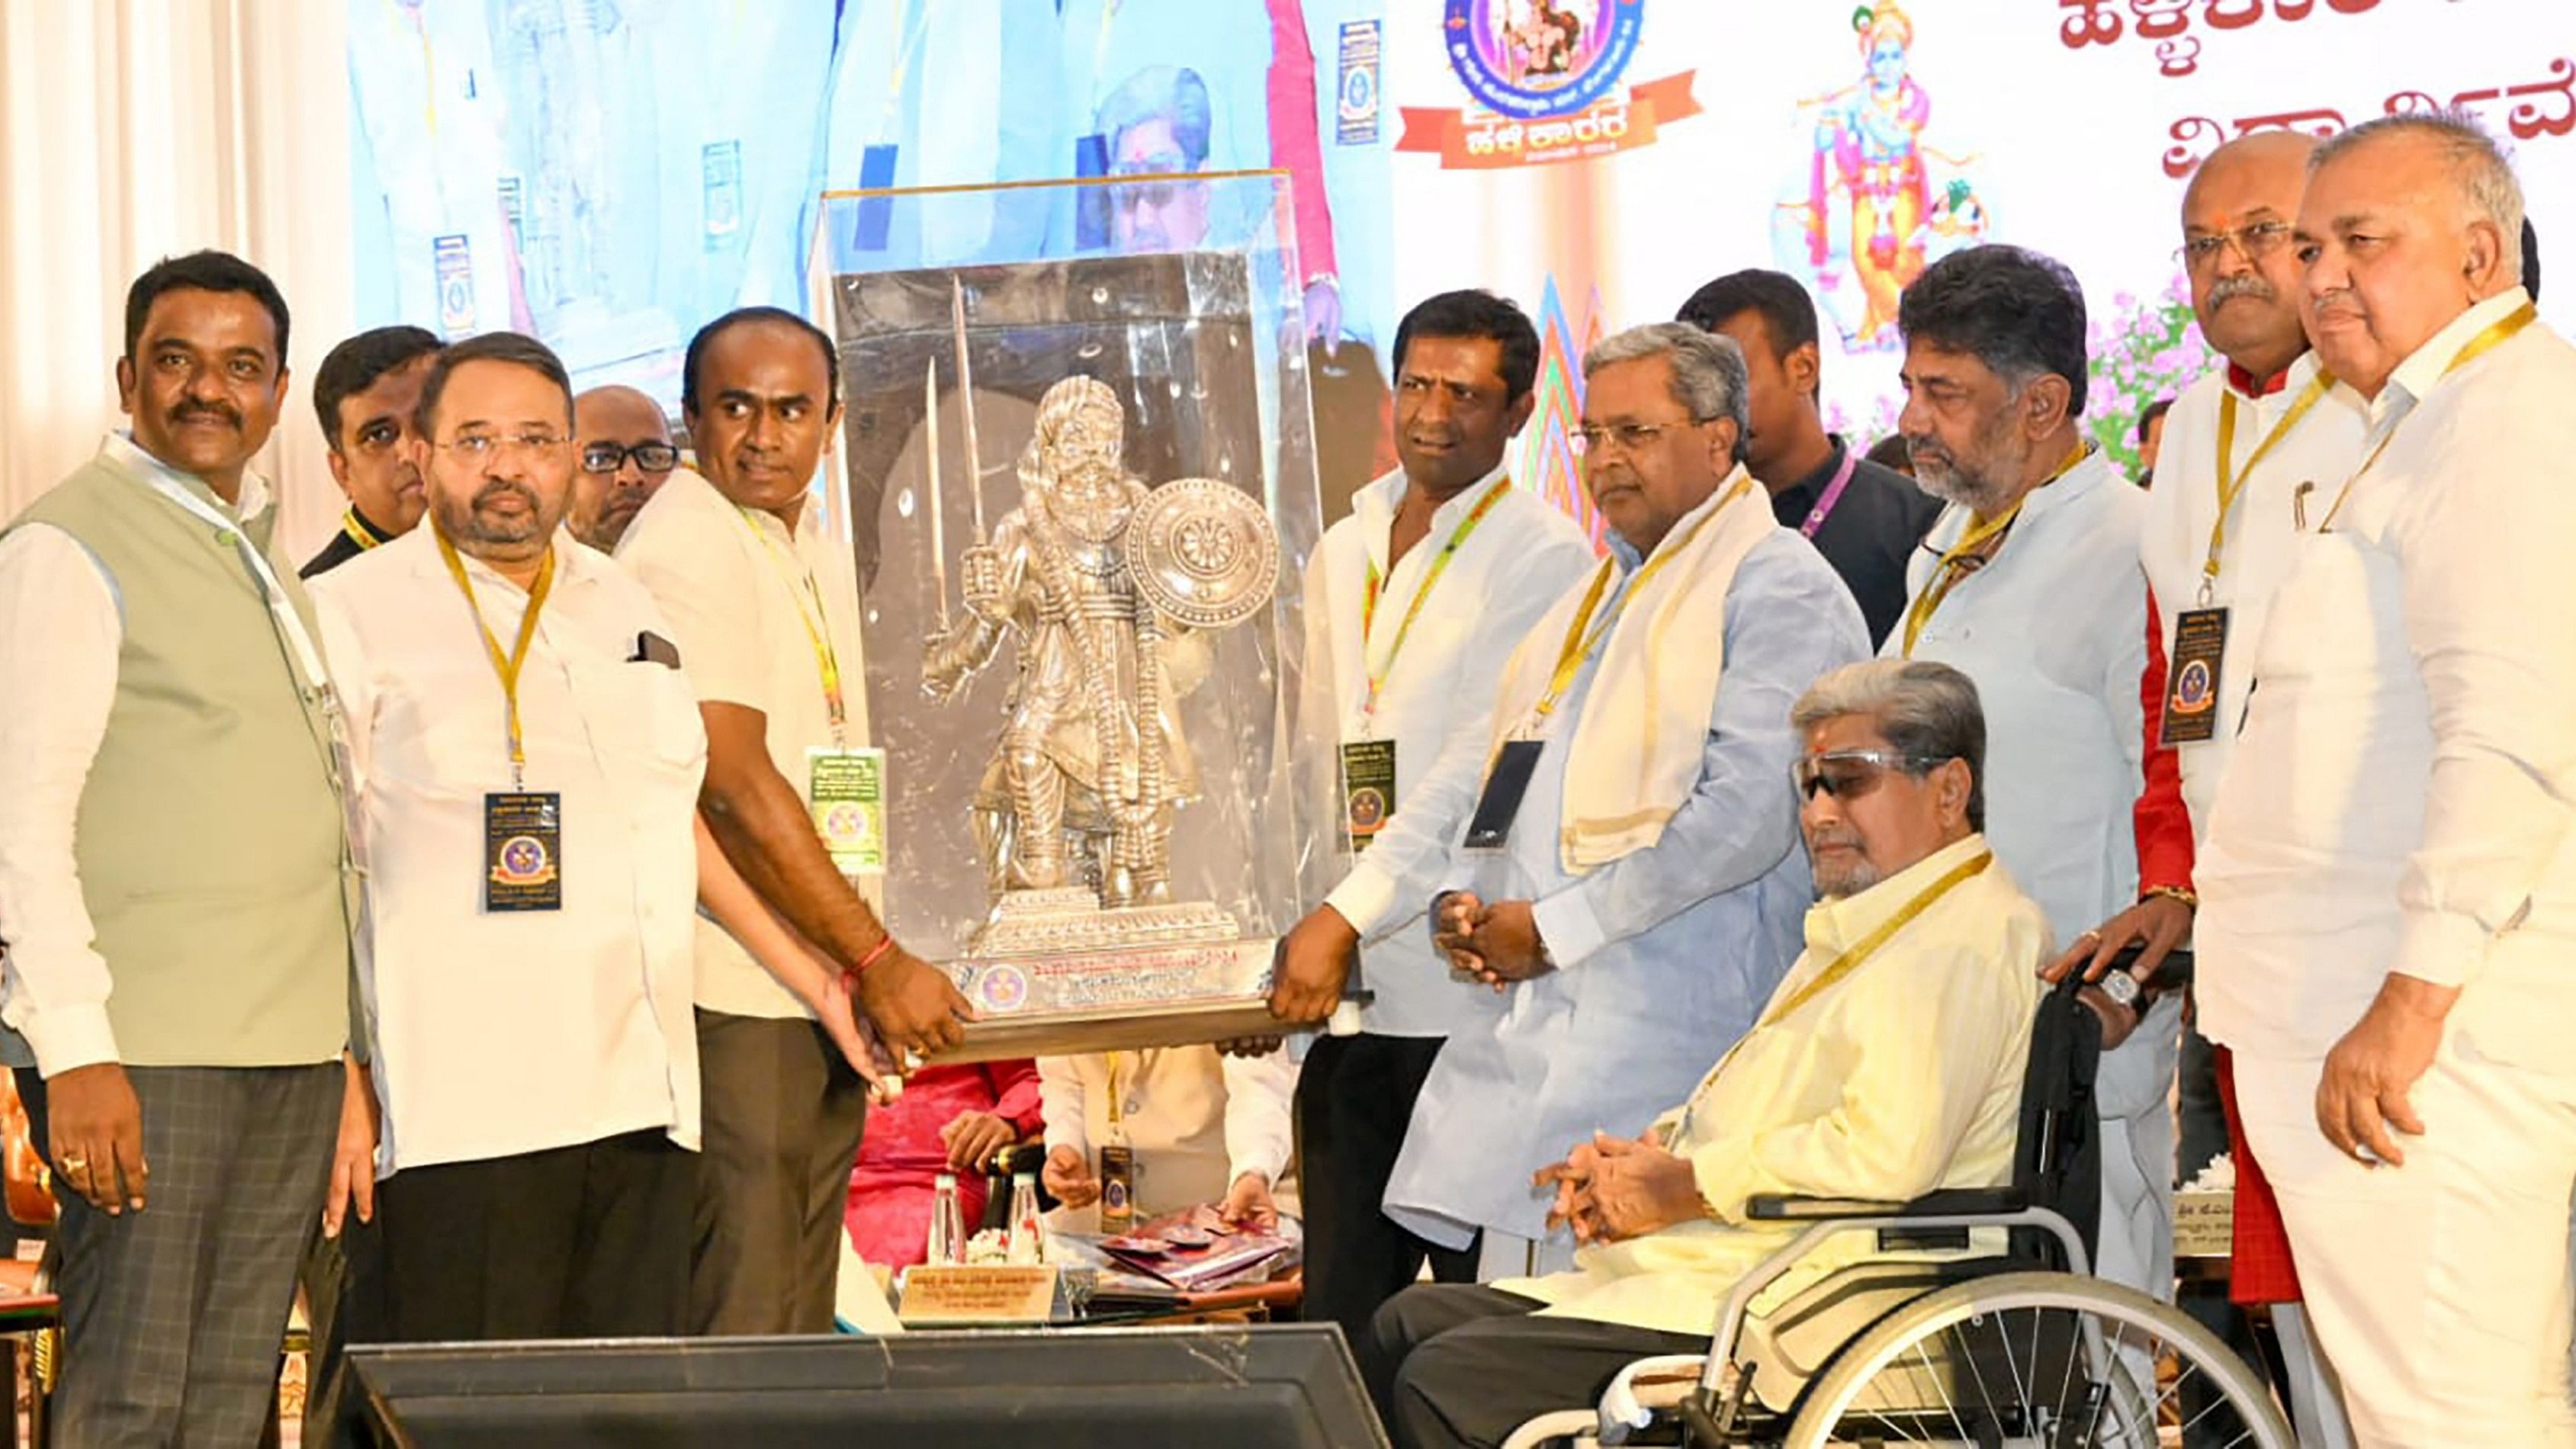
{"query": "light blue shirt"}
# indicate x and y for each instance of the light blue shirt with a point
(1664, 955)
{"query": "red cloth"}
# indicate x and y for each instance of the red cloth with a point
(891, 1186)
(1296, 137)
(2252, 386)
(2160, 820)
(2261, 1269)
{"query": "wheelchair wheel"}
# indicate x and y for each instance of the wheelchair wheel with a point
(2038, 1361)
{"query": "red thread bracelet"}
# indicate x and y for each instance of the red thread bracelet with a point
(875, 954)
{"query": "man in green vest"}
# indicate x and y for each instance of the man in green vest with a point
(173, 877)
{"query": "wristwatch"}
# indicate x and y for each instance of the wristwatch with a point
(2124, 990)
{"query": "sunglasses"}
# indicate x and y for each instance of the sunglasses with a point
(1850, 774)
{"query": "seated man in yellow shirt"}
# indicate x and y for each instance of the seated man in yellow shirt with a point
(1888, 1064)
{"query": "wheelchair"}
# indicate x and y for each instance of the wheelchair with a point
(2017, 1349)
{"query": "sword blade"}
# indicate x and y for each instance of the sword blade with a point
(930, 498)
(966, 401)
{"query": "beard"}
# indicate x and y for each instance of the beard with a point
(1979, 482)
(469, 526)
(1852, 873)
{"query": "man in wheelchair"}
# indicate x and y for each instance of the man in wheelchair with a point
(1887, 1065)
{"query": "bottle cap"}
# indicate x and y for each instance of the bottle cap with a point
(1018, 1178)
(945, 1179)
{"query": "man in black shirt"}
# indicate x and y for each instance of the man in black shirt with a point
(364, 394)
(1863, 518)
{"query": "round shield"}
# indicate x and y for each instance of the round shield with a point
(1203, 552)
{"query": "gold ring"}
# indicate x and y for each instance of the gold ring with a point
(74, 1162)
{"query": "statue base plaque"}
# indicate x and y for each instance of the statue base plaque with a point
(1054, 974)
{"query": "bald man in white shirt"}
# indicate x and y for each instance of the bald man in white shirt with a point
(2388, 888)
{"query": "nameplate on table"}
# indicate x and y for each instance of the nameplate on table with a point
(987, 1293)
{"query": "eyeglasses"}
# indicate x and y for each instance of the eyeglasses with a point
(1627, 437)
(2257, 242)
(1849, 774)
(609, 457)
(479, 446)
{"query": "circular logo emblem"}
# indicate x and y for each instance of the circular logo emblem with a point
(1001, 988)
(846, 821)
(1368, 808)
(2191, 688)
(523, 861)
(1541, 57)
(1205, 546)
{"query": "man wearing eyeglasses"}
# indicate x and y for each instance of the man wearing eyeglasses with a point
(525, 756)
(1918, 934)
(364, 393)
(2029, 584)
(626, 456)
(2220, 527)
(1614, 849)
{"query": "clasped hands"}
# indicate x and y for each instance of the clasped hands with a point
(1611, 1189)
(1497, 944)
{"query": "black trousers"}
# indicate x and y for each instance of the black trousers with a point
(588, 1241)
(1355, 1096)
(173, 1316)
(1460, 1365)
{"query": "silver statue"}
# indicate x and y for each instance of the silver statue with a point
(1106, 587)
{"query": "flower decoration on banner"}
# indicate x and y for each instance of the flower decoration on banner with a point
(1543, 76)
(1546, 463)
(1864, 433)
(2147, 348)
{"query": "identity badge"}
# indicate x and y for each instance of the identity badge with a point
(2191, 686)
(452, 261)
(720, 182)
(1117, 1187)
(1505, 784)
(1356, 102)
(523, 851)
(514, 211)
(847, 796)
(1368, 790)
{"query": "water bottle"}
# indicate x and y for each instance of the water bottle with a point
(947, 1223)
(1028, 1236)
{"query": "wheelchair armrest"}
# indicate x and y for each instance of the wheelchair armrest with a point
(1773, 1207)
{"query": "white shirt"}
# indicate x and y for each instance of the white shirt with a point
(1196, 1119)
(1522, 556)
(2401, 799)
(2321, 450)
(734, 585)
(61, 627)
(2054, 632)
(498, 1033)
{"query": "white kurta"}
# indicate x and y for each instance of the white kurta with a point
(1439, 685)
(2054, 632)
(2404, 801)
(1903, 1078)
(1195, 1120)
(2320, 451)
(499, 1033)
(1664, 955)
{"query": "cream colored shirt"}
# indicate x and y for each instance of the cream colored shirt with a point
(505, 1032)
(1902, 1078)
(2320, 451)
(734, 584)
(2404, 797)
(1196, 1120)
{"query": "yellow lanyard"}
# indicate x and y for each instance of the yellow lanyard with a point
(507, 666)
(1378, 675)
(357, 532)
(1840, 967)
(1945, 574)
(2231, 488)
(1578, 644)
(818, 628)
(2496, 334)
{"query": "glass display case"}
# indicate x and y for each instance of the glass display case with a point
(1081, 493)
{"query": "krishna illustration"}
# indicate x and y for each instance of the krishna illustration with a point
(1875, 205)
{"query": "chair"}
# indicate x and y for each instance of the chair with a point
(2017, 1349)
(28, 1308)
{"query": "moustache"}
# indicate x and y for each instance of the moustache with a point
(2244, 284)
(500, 487)
(1926, 450)
(217, 412)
